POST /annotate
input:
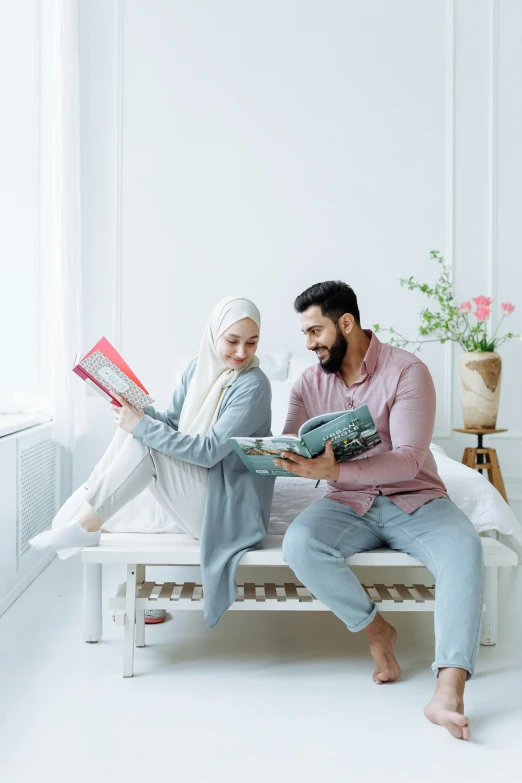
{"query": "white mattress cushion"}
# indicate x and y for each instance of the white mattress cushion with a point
(476, 496)
(468, 489)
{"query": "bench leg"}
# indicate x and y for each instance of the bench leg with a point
(92, 602)
(130, 621)
(489, 619)
(140, 613)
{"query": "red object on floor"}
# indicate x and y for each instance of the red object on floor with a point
(154, 616)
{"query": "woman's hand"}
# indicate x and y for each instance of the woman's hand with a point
(127, 417)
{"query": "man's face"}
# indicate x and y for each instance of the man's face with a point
(324, 338)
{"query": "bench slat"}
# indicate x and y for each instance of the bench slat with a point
(404, 593)
(250, 591)
(291, 591)
(384, 593)
(145, 590)
(270, 592)
(424, 592)
(166, 590)
(187, 591)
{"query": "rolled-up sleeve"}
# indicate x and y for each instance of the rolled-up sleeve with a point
(246, 411)
(412, 417)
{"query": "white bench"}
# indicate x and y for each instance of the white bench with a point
(138, 550)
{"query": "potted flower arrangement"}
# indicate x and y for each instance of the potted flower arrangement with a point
(480, 366)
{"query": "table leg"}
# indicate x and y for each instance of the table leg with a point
(92, 602)
(468, 458)
(140, 613)
(130, 621)
(496, 475)
(488, 635)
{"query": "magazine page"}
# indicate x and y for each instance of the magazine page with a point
(258, 454)
(352, 433)
(318, 421)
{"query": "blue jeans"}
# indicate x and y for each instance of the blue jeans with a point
(437, 533)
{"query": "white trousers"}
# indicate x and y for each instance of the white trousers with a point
(128, 467)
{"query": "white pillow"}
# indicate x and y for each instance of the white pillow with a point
(476, 496)
(280, 397)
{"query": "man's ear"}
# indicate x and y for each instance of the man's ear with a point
(346, 323)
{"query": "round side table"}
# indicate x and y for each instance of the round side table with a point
(486, 459)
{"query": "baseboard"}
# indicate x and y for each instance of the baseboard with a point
(24, 583)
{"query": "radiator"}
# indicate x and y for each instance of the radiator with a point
(38, 485)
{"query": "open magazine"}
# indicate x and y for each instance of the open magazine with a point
(351, 432)
(104, 369)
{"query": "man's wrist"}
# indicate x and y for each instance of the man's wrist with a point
(335, 472)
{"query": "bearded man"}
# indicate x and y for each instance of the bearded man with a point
(392, 496)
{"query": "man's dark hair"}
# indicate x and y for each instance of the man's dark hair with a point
(334, 297)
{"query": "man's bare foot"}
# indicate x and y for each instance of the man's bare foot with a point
(382, 637)
(447, 706)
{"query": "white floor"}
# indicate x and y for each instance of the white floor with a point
(263, 697)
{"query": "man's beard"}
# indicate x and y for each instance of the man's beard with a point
(337, 352)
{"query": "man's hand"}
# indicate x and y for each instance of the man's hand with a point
(322, 467)
(127, 417)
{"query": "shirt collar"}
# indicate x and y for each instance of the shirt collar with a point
(369, 362)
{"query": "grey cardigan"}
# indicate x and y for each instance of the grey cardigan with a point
(238, 505)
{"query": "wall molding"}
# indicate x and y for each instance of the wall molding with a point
(42, 353)
(118, 174)
(513, 484)
(446, 432)
(493, 181)
(493, 161)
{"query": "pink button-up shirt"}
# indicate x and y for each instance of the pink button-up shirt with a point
(399, 392)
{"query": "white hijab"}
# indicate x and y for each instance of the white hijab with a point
(212, 377)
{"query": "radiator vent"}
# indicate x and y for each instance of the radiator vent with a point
(37, 487)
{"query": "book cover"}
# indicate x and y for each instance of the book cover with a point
(103, 368)
(258, 454)
(352, 433)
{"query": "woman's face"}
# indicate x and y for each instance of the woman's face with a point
(238, 344)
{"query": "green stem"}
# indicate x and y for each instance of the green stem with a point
(498, 327)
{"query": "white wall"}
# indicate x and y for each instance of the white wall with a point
(19, 197)
(262, 147)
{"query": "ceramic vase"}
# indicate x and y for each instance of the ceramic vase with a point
(480, 374)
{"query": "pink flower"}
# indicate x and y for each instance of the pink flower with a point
(482, 301)
(507, 308)
(465, 308)
(482, 313)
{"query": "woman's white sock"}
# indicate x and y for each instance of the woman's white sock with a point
(71, 535)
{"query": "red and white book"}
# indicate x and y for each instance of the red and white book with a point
(104, 369)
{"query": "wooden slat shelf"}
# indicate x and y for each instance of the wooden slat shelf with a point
(288, 596)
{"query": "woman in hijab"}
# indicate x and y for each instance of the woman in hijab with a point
(185, 458)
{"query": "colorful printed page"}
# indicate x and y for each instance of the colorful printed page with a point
(111, 353)
(104, 369)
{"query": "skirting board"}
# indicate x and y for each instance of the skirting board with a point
(24, 583)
